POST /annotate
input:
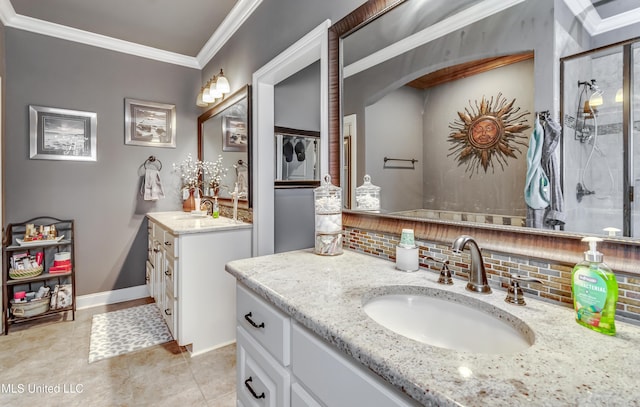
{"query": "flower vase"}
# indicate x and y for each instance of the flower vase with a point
(189, 204)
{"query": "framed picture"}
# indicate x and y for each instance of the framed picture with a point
(234, 134)
(297, 158)
(149, 124)
(61, 134)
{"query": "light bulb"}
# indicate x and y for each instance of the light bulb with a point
(222, 83)
(206, 96)
(213, 89)
(619, 96)
(199, 101)
(595, 100)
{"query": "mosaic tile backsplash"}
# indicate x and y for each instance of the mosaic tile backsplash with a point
(556, 277)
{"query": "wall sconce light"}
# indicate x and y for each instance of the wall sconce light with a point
(222, 83)
(215, 88)
(619, 96)
(199, 101)
(596, 100)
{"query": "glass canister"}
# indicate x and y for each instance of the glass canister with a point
(328, 208)
(368, 196)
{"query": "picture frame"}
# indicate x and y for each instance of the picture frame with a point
(149, 124)
(234, 134)
(62, 134)
(297, 158)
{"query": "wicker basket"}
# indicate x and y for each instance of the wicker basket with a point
(25, 273)
(31, 308)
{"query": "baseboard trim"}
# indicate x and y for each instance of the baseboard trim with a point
(112, 297)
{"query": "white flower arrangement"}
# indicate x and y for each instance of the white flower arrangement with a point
(193, 172)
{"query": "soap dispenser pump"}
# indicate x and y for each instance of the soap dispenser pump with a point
(595, 291)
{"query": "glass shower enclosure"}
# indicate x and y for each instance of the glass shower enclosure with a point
(600, 143)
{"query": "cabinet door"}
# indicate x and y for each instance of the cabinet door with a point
(262, 382)
(170, 308)
(335, 379)
(158, 279)
(300, 397)
(149, 277)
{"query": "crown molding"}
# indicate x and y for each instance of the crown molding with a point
(594, 24)
(238, 15)
(441, 28)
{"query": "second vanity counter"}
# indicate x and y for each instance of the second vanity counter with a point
(184, 222)
(185, 275)
(567, 364)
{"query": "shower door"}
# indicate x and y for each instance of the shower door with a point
(595, 143)
(634, 128)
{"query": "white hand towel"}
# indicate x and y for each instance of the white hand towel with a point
(243, 181)
(152, 188)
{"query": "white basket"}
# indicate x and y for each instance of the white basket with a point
(31, 308)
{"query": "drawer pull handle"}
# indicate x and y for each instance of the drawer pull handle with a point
(167, 273)
(167, 243)
(253, 393)
(253, 324)
(167, 311)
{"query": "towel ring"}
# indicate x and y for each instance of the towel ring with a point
(152, 159)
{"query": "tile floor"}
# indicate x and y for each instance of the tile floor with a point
(51, 353)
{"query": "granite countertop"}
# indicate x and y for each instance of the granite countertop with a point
(567, 364)
(179, 222)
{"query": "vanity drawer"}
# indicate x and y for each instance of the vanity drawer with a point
(261, 380)
(270, 327)
(170, 243)
(170, 277)
(157, 231)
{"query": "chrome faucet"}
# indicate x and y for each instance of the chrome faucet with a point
(477, 274)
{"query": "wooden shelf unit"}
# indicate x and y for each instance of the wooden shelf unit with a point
(10, 246)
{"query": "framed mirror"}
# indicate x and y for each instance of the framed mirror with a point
(382, 46)
(224, 136)
(297, 158)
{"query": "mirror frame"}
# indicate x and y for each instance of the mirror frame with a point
(227, 102)
(622, 254)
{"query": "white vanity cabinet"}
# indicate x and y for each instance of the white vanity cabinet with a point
(281, 363)
(263, 352)
(186, 277)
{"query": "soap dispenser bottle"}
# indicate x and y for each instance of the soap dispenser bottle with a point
(215, 211)
(595, 291)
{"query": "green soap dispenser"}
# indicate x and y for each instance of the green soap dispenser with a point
(595, 291)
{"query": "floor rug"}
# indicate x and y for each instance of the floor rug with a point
(119, 332)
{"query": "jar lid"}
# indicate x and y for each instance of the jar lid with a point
(367, 186)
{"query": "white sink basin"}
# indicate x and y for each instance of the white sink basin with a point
(447, 323)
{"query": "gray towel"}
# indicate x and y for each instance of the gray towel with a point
(152, 186)
(554, 215)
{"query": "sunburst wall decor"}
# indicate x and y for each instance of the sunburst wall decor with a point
(491, 129)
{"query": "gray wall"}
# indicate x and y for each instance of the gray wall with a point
(273, 27)
(297, 106)
(103, 196)
(395, 129)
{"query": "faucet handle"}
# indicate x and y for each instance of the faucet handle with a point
(515, 295)
(445, 273)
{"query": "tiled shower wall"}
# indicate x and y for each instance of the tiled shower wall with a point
(556, 277)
